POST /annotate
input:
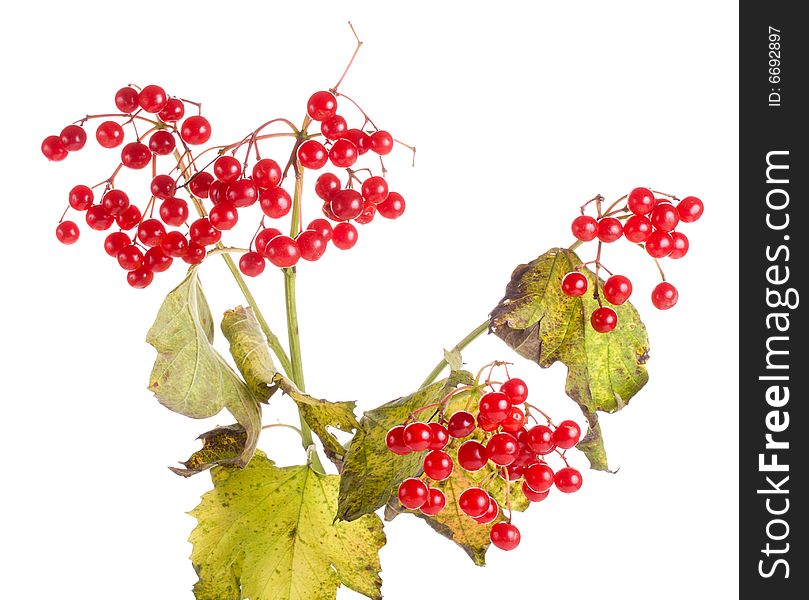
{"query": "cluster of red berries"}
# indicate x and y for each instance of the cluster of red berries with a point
(502, 442)
(225, 182)
(645, 220)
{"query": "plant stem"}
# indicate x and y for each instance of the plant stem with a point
(471, 336)
(575, 245)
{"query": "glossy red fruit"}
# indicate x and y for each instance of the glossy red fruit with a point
(109, 134)
(242, 193)
(375, 189)
(609, 230)
(282, 251)
(163, 187)
(53, 149)
(200, 184)
(567, 434)
(156, 260)
(130, 257)
(381, 142)
(322, 226)
(515, 420)
(494, 406)
(263, 238)
(152, 98)
(252, 264)
(203, 232)
(334, 128)
(367, 214)
(173, 111)
(532, 495)
(312, 155)
(359, 138)
(115, 202)
(502, 449)
(126, 99)
(311, 245)
(440, 436)
(491, 513)
(394, 440)
(327, 212)
(67, 232)
(129, 218)
(438, 465)
(136, 155)
(140, 278)
(617, 289)
(690, 209)
(659, 245)
(472, 455)
(680, 245)
(267, 173)
(418, 436)
(664, 295)
(97, 218)
(486, 424)
(344, 236)
(195, 130)
(637, 229)
(574, 284)
(568, 480)
(174, 211)
(413, 493)
(224, 216)
(275, 202)
(174, 244)
(474, 502)
(436, 501)
(227, 169)
(461, 424)
(641, 201)
(346, 204)
(80, 197)
(217, 191)
(665, 217)
(604, 319)
(539, 477)
(392, 207)
(73, 138)
(343, 153)
(162, 142)
(326, 186)
(516, 390)
(505, 536)
(151, 232)
(540, 439)
(321, 106)
(584, 228)
(195, 253)
(115, 242)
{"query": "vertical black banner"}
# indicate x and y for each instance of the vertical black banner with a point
(773, 338)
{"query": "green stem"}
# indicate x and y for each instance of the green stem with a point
(575, 245)
(472, 336)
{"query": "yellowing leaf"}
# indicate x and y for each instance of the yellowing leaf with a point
(268, 533)
(220, 446)
(250, 350)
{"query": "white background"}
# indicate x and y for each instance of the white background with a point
(518, 115)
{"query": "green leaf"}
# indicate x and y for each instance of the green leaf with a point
(453, 359)
(269, 533)
(371, 473)
(542, 324)
(220, 446)
(250, 351)
(189, 376)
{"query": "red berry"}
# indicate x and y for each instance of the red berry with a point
(494, 406)
(174, 244)
(574, 284)
(514, 421)
(418, 436)
(367, 214)
(584, 228)
(502, 449)
(381, 142)
(436, 501)
(637, 229)
(109, 134)
(486, 424)
(659, 245)
(437, 465)
(568, 480)
(115, 202)
(474, 502)
(311, 244)
(461, 424)
(343, 154)
(251, 264)
(505, 536)
(680, 245)
(323, 227)
(641, 201)
(126, 99)
(224, 216)
(321, 106)
(195, 253)
(440, 436)
(491, 513)
(539, 477)
(195, 130)
(97, 218)
(174, 211)
(690, 209)
(664, 295)
(609, 230)
(53, 148)
(665, 217)
(413, 493)
(217, 191)
(73, 138)
(156, 260)
(129, 217)
(67, 232)
(115, 242)
(472, 455)
(394, 440)
(312, 155)
(567, 435)
(136, 155)
(139, 278)
(200, 184)
(242, 193)
(275, 202)
(326, 186)
(344, 236)
(152, 98)
(532, 495)
(130, 257)
(151, 232)
(162, 142)
(282, 251)
(392, 207)
(334, 128)
(263, 238)
(227, 169)
(604, 319)
(375, 189)
(327, 212)
(359, 138)
(346, 204)
(80, 197)
(540, 439)
(173, 111)
(203, 232)
(163, 187)
(516, 390)
(267, 173)
(617, 289)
